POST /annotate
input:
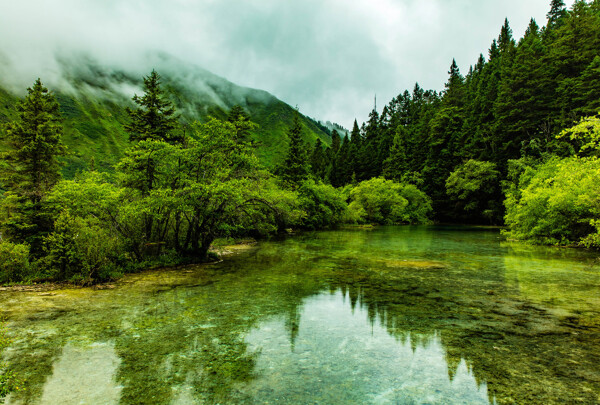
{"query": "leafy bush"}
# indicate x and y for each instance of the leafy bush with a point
(387, 202)
(324, 205)
(556, 203)
(14, 261)
(586, 134)
(419, 206)
(474, 188)
(80, 250)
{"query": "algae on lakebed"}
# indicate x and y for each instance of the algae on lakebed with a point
(330, 317)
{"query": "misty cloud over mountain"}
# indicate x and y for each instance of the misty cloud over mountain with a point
(328, 57)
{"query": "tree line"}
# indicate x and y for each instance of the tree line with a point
(468, 145)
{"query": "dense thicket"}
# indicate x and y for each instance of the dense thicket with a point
(511, 104)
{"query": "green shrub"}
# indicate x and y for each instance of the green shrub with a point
(14, 262)
(323, 204)
(387, 202)
(474, 188)
(556, 203)
(81, 250)
(419, 206)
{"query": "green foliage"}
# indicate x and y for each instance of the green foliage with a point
(324, 206)
(14, 262)
(592, 240)
(474, 187)
(94, 196)
(35, 144)
(318, 160)
(508, 106)
(395, 164)
(243, 126)
(557, 13)
(295, 167)
(586, 133)
(81, 250)
(419, 208)
(387, 202)
(168, 200)
(155, 117)
(30, 167)
(556, 203)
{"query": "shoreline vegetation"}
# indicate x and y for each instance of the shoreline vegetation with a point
(222, 247)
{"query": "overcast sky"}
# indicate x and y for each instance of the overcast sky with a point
(329, 57)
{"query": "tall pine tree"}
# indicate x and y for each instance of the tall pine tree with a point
(556, 14)
(31, 167)
(318, 160)
(151, 125)
(295, 167)
(154, 119)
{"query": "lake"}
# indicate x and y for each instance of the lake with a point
(390, 315)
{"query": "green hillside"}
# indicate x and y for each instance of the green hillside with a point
(94, 98)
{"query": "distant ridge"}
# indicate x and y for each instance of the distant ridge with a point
(93, 98)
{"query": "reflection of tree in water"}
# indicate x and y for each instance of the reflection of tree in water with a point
(522, 352)
(196, 339)
(184, 334)
(181, 336)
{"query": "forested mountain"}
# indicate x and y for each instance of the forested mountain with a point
(511, 104)
(93, 99)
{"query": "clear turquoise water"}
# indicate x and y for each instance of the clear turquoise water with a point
(393, 315)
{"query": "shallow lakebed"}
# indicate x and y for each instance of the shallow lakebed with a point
(400, 315)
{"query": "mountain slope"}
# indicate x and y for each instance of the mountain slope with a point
(93, 100)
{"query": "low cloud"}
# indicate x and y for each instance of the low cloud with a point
(329, 57)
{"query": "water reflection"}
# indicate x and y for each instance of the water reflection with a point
(339, 356)
(89, 372)
(563, 280)
(391, 315)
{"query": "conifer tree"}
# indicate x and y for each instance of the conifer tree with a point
(151, 126)
(356, 143)
(295, 167)
(523, 99)
(505, 39)
(31, 167)
(369, 163)
(394, 167)
(343, 164)
(556, 14)
(237, 113)
(332, 158)
(238, 117)
(318, 161)
(155, 118)
(336, 141)
(454, 94)
(586, 90)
